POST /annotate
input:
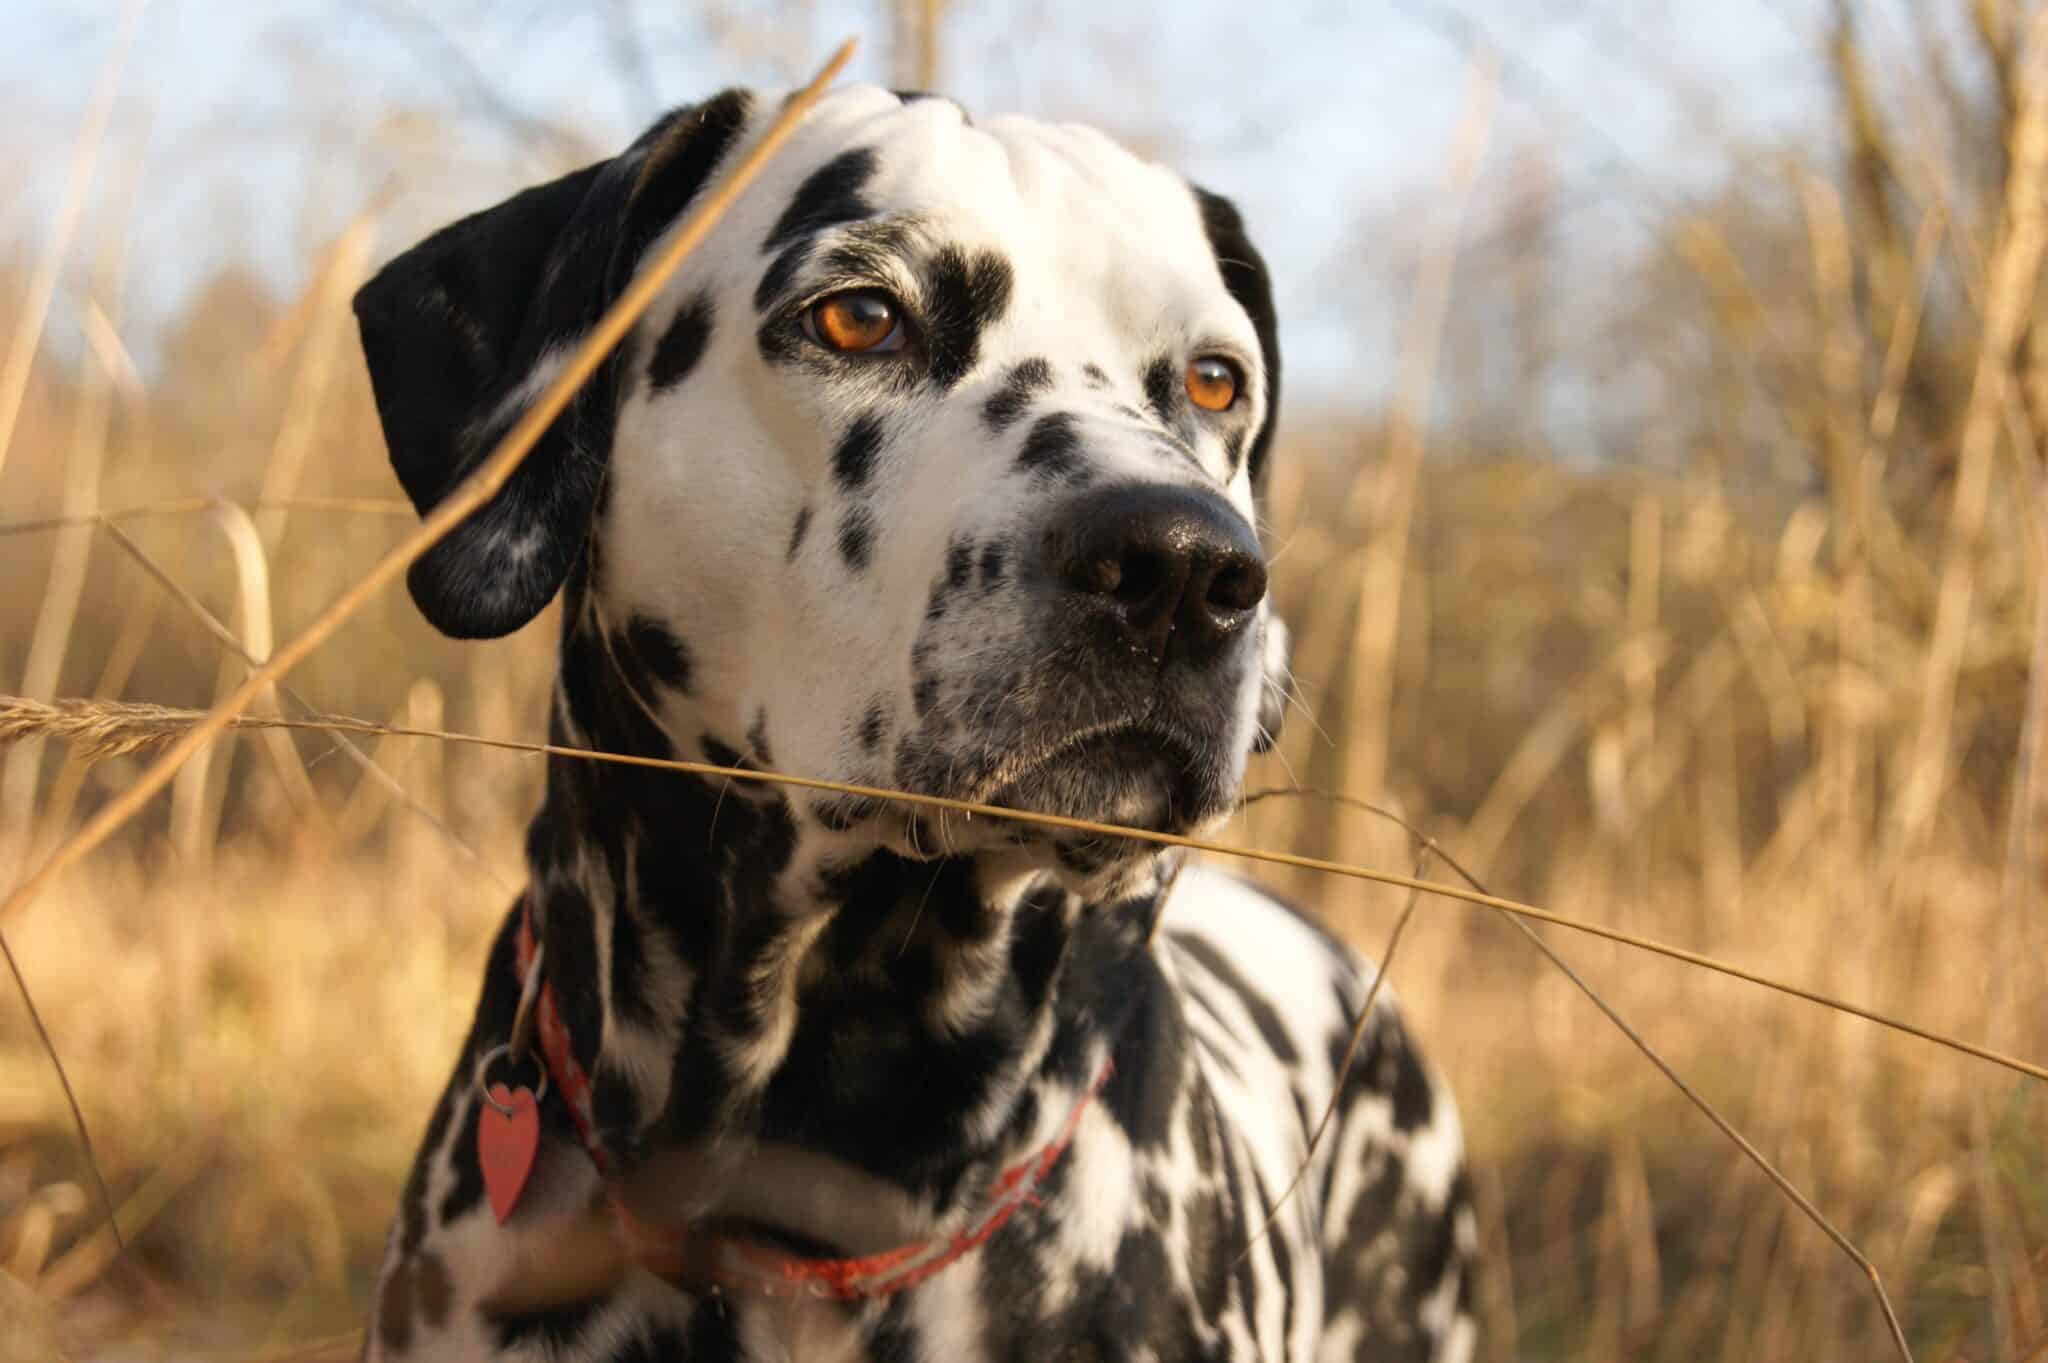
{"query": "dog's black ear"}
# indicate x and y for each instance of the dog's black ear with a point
(466, 328)
(1245, 275)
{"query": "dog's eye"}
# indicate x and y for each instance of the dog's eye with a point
(1213, 382)
(858, 323)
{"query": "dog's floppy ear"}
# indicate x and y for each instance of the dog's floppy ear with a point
(465, 329)
(1245, 275)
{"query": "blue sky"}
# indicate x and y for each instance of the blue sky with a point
(256, 129)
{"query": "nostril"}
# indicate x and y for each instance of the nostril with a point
(1239, 585)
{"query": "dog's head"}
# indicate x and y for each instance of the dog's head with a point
(937, 465)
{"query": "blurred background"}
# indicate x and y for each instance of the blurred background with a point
(1660, 509)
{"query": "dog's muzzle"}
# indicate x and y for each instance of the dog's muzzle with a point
(1146, 605)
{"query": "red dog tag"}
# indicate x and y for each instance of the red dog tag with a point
(505, 1145)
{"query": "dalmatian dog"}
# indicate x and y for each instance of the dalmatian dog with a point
(937, 468)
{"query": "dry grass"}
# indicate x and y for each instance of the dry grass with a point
(1771, 702)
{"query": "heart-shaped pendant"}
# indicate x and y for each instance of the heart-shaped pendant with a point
(507, 1137)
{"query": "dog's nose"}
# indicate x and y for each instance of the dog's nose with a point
(1171, 565)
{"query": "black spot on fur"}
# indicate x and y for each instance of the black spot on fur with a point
(548, 1333)
(992, 564)
(1095, 376)
(1162, 390)
(682, 345)
(874, 724)
(1209, 1253)
(853, 459)
(856, 537)
(847, 811)
(614, 1109)
(1026, 379)
(959, 564)
(1391, 1066)
(1053, 448)
(924, 693)
(799, 530)
(1435, 1250)
(1200, 1119)
(1223, 1057)
(780, 274)
(1150, 1065)
(655, 649)
(831, 195)
(1233, 446)
(964, 296)
(1161, 1321)
(713, 1333)
(631, 998)
(568, 926)
(895, 1338)
(757, 739)
(659, 1346)
(1158, 1203)
(1263, 1015)
(1283, 1269)
(722, 754)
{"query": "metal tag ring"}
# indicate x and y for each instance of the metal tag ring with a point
(503, 1050)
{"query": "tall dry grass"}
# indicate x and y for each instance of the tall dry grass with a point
(1777, 694)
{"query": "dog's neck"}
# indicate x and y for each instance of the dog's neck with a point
(734, 972)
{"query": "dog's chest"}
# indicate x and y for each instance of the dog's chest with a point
(1125, 1253)
(1144, 1238)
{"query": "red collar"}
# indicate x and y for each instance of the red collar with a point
(727, 1262)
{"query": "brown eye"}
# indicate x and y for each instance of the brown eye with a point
(855, 323)
(1212, 382)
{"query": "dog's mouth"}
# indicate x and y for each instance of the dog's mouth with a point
(1137, 773)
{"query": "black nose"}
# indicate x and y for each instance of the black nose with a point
(1170, 565)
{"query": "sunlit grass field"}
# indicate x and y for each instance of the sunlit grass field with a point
(1775, 696)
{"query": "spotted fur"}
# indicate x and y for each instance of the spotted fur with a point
(1009, 562)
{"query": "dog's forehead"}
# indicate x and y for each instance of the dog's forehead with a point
(1061, 201)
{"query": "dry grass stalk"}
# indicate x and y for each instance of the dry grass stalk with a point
(28, 327)
(96, 730)
(185, 506)
(327, 326)
(2015, 269)
(122, 727)
(467, 496)
(200, 790)
(374, 774)
(50, 640)
(1384, 519)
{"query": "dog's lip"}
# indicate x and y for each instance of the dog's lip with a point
(1014, 773)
